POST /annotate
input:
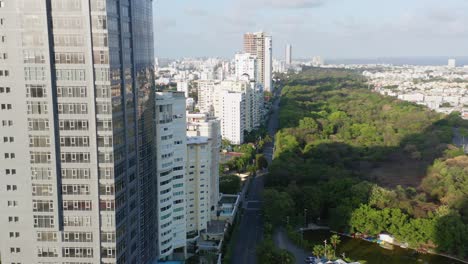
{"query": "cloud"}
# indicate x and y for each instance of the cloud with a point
(434, 23)
(195, 12)
(325, 27)
(294, 3)
(291, 4)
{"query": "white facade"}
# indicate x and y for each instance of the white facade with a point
(233, 116)
(317, 61)
(198, 185)
(210, 99)
(207, 75)
(253, 96)
(452, 63)
(183, 87)
(203, 125)
(171, 153)
(246, 64)
(206, 95)
(268, 76)
(288, 54)
(279, 66)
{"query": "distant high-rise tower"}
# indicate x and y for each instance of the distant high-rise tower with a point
(452, 63)
(260, 45)
(288, 54)
(77, 155)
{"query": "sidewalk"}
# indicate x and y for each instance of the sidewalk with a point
(282, 241)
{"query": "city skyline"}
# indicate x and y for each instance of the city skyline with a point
(333, 28)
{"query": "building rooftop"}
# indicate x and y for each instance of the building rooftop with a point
(194, 115)
(197, 140)
(169, 95)
(228, 199)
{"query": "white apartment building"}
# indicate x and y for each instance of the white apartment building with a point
(183, 86)
(317, 61)
(452, 63)
(206, 95)
(233, 116)
(268, 76)
(279, 66)
(208, 74)
(211, 101)
(289, 54)
(205, 126)
(246, 64)
(76, 158)
(253, 106)
(198, 184)
(171, 153)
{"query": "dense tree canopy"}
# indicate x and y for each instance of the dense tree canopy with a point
(368, 163)
(230, 184)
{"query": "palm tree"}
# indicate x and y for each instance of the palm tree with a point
(335, 241)
(329, 252)
(318, 251)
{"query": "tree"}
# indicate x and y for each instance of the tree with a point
(336, 140)
(277, 206)
(261, 161)
(225, 144)
(240, 164)
(318, 251)
(329, 253)
(308, 123)
(252, 169)
(452, 235)
(335, 241)
(229, 184)
(268, 254)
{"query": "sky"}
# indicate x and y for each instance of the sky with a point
(327, 28)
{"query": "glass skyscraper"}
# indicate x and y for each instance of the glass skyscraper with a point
(77, 176)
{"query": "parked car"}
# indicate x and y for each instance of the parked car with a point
(310, 260)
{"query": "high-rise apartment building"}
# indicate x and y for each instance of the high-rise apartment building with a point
(232, 115)
(205, 126)
(198, 185)
(246, 65)
(171, 153)
(77, 151)
(183, 86)
(288, 54)
(268, 64)
(260, 45)
(211, 100)
(253, 96)
(206, 94)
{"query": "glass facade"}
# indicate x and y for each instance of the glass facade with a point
(83, 87)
